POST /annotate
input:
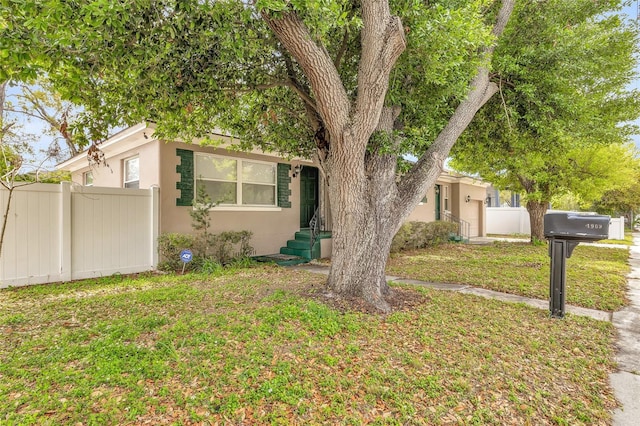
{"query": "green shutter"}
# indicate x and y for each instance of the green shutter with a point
(185, 184)
(284, 180)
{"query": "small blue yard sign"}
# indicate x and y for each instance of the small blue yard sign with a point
(186, 256)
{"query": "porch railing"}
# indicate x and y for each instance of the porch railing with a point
(314, 228)
(464, 227)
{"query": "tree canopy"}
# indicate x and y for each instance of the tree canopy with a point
(192, 65)
(563, 71)
(623, 199)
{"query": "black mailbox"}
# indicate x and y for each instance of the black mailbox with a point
(564, 232)
(575, 226)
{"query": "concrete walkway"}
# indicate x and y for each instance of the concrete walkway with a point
(467, 289)
(626, 381)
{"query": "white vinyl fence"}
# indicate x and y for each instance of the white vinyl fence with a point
(515, 220)
(62, 232)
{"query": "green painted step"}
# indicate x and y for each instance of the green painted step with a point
(306, 253)
(299, 244)
(455, 238)
(305, 234)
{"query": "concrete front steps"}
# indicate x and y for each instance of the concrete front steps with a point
(301, 246)
(455, 238)
(298, 250)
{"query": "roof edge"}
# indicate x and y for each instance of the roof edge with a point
(117, 137)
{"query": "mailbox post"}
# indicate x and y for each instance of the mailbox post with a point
(564, 232)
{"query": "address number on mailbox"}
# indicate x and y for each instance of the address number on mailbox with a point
(593, 226)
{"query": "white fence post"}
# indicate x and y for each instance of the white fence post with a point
(616, 228)
(65, 231)
(155, 224)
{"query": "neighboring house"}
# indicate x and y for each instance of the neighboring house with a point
(259, 192)
(504, 198)
(456, 198)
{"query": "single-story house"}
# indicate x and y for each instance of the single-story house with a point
(257, 191)
(457, 198)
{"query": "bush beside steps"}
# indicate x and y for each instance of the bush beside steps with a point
(416, 235)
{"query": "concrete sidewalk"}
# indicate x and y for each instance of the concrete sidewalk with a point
(626, 381)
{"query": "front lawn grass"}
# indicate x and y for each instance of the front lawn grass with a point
(628, 240)
(595, 275)
(248, 347)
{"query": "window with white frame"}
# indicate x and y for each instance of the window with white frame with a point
(87, 178)
(132, 172)
(230, 181)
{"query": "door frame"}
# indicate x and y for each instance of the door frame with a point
(308, 174)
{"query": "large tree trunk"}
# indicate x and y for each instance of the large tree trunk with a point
(365, 223)
(537, 210)
(368, 205)
(359, 259)
(361, 184)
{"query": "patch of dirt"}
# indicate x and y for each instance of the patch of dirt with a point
(400, 299)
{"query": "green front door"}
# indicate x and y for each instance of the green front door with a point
(308, 194)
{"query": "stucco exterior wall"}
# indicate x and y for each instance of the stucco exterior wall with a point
(112, 175)
(425, 211)
(271, 227)
(472, 211)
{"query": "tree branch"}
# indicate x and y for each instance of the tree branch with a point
(414, 184)
(527, 184)
(502, 20)
(6, 128)
(3, 87)
(379, 55)
(301, 90)
(24, 112)
(504, 106)
(296, 88)
(343, 49)
(331, 97)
